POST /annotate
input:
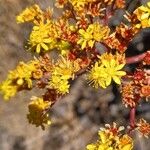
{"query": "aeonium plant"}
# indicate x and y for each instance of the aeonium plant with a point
(75, 36)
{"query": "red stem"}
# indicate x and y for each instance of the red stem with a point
(135, 59)
(132, 118)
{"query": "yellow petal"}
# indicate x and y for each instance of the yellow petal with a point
(83, 45)
(80, 41)
(91, 147)
(120, 73)
(143, 8)
(110, 148)
(36, 28)
(117, 79)
(47, 40)
(102, 136)
(144, 23)
(45, 47)
(120, 66)
(38, 48)
(106, 63)
(81, 31)
(102, 84)
(127, 147)
(91, 43)
(108, 81)
(138, 26)
(145, 16)
(148, 4)
(112, 63)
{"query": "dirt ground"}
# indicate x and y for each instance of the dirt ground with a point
(76, 118)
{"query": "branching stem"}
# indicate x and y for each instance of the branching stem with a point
(135, 59)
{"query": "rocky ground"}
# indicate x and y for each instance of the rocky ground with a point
(76, 117)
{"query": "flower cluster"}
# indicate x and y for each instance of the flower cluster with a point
(143, 15)
(120, 38)
(105, 70)
(8, 89)
(40, 37)
(94, 32)
(136, 88)
(19, 78)
(60, 74)
(143, 127)
(38, 112)
(82, 42)
(29, 14)
(111, 138)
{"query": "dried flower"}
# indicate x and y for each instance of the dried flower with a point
(37, 112)
(114, 42)
(145, 91)
(129, 97)
(143, 127)
(94, 9)
(146, 60)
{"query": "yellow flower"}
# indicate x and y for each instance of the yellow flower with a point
(94, 33)
(63, 47)
(8, 89)
(29, 14)
(20, 77)
(40, 37)
(37, 112)
(107, 69)
(112, 139)
(86, 38)
(97, 76)
(106, 141)
(23, 73)
(143, 15)
(112, 69)
(62, 71)
(100, 32)
(61, 85)
(65, 68)
(125, 143)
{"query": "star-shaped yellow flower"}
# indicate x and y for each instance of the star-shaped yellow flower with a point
(105, 70)
(112, 69)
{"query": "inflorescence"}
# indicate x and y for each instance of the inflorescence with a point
(75, 36)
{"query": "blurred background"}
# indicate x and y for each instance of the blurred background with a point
(76, 117)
